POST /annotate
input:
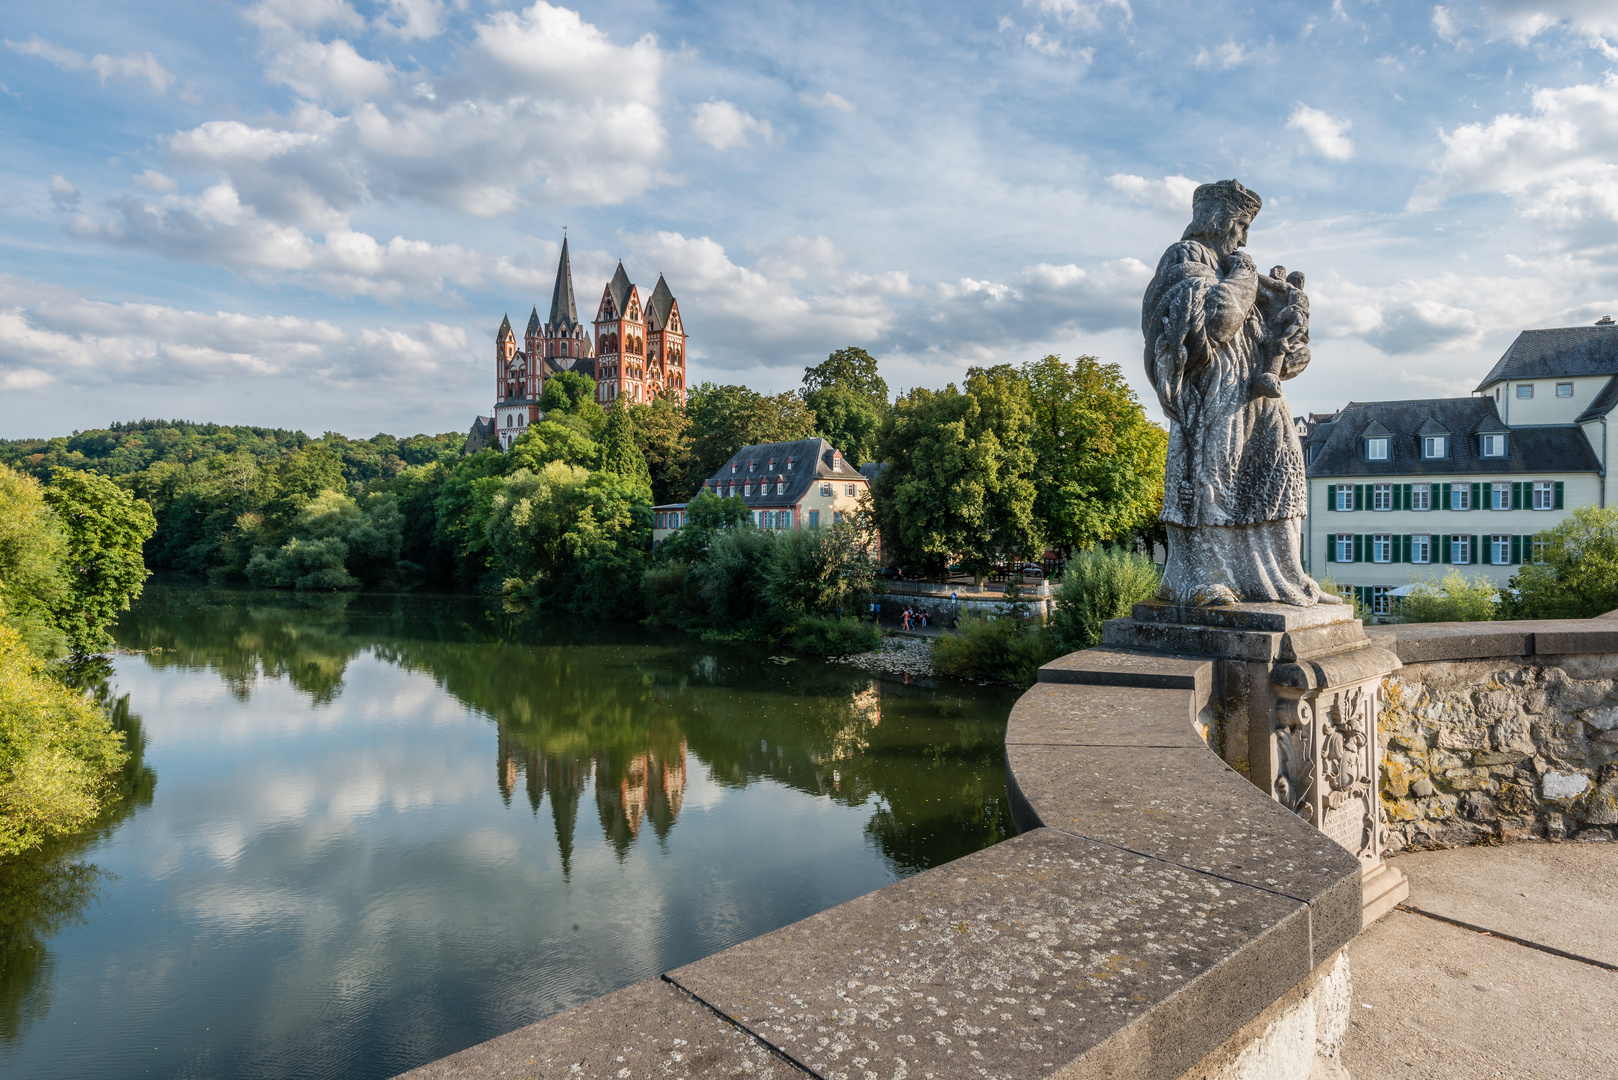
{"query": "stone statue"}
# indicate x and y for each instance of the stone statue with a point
(1220, 338)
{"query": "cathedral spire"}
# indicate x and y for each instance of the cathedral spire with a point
(563, 310)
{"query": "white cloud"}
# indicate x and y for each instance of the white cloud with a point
(48, 334)
(722, 125)
(539, 106)
(1085, 13)
(130, 67)
(1171, 193)
(1444, 24)
(828, 100)
(64, 196)
(152, 180)
(1556, 163)
(1327, 133)
(1222, 57)
(414, 18)
(276, 15)
(1526, 19)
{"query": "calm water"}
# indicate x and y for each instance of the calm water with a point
(366, 831)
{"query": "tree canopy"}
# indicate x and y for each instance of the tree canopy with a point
(726, 418)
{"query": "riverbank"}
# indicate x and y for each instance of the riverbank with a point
(911, 656)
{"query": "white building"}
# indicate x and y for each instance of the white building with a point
(1402, 489)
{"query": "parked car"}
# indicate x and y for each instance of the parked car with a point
(1032, 569)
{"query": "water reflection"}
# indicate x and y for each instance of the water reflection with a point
(614, 712)
(46, 891)
(332, 884)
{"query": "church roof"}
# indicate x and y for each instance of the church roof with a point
(1560, 448)
(812, 460)
(620, 286)
(563, 310)
(661, 303)
(1567, 351)
(533, 322)
(505, 328)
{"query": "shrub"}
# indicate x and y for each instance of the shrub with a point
(815, 572)
(1350, 597)
(1579, 577)
(1099, 584)
(1454, 598)
(666, 589)
(834, 636)
(1000, 650)
(58, 752)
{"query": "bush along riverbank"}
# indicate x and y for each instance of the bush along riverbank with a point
(70, 561)
(1099, 584)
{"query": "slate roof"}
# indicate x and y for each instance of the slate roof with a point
(1603, 404)
(563, 311)
(1560, 448)
(1567, 351)
(620, 286)
(811, 461)
(533, 322)
(505, 329)
(660, 304)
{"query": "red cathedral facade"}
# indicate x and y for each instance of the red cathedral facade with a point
(637, 351)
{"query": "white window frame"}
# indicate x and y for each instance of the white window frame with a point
(1421, 548)
(1381, 496)
(1345, 546)
(1500, 495)
(848, 489)
(1525, 391)
(825, 489)
(1499, 550)
(1460, 497)
(1379, 599)
(1564, 386)
(1421, 496)
(1435, 446)
(1382, 548)
(1376, 449)
(1344, 496)
(1544, 494)
(1460, 549)
(1494, 446)
(780, 487)
(1538, 548)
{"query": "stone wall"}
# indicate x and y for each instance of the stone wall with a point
(1485, 748)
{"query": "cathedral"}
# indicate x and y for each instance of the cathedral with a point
(635, 349)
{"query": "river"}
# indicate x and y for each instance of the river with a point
(362, 831)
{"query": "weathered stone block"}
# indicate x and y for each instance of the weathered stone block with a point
(1563, 786)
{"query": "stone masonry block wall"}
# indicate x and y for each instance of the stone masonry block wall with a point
(1499, 748)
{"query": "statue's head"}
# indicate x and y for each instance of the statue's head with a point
(1220, 215)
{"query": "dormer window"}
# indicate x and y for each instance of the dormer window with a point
(789, 464)
(1435, 446)
(752, 466)
(1494, 446)
(1376, 449)
(734, 466)
(772, 465)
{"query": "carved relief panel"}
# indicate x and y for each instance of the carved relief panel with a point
(1325, 764)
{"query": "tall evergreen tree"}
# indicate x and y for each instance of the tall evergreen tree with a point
(619, 454)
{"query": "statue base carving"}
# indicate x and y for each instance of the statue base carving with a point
(1298, 692)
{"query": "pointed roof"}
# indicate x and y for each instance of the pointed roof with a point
(505, 329)
(563, 310)
(620, 286)
(533, 322)
(1375, 429)
(662, 302)
(1431, 426)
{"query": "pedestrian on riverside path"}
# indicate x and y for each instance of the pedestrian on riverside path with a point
(904, 620)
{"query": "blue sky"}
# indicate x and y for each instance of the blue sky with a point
(313, 213)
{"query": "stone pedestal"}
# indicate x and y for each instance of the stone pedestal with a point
(1297, 695)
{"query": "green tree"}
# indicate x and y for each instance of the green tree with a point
(619, 454)
(848, 420)
(572, 394)
(559, 437)
(1579, 577)
(726, 418)
(1099, 460)
(663, 434)
(816, 572)
(1452, 598)
(848, 369)
(106, 530)
(33, 556)
(958, 482)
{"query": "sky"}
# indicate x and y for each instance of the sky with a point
(314, 213)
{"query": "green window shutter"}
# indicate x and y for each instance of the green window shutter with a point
(1365, 597)
(1407, 545)
(1477, 495)
(1406, 496)
(1331, 496)
(1516, 550)
(1516, 495)
(1331, 547)
(1442, 554)
(1557, 496)
(1359, 496)
(1359, 547)
(1398, 548)
(1443, 498)
(1474, 539)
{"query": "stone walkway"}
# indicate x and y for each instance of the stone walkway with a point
(1526, 989)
